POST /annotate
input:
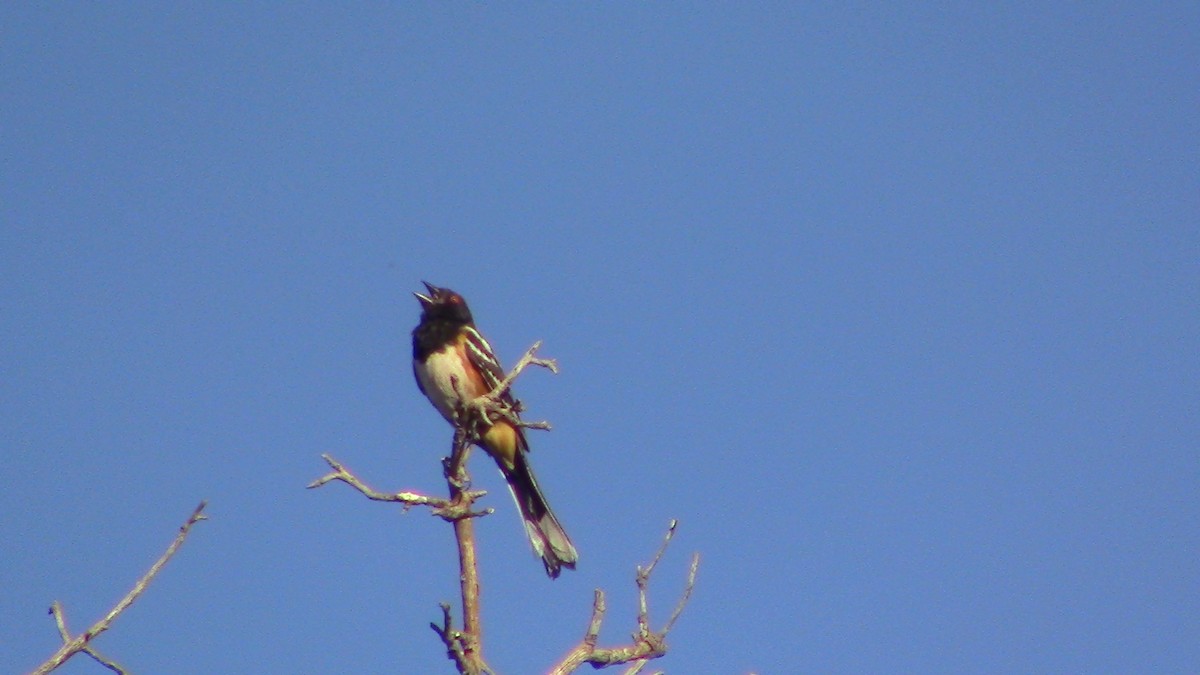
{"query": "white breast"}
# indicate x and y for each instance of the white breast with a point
(437, 380)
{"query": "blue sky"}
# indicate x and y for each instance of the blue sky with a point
(894, 308)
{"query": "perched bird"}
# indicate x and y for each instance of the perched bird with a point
(454, 364)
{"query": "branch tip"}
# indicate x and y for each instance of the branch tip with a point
(80, 643)
(647, 644)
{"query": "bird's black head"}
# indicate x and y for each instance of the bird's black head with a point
(443, 304)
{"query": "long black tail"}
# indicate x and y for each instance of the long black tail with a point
(547, 536)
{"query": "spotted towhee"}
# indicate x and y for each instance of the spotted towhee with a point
(454, 365)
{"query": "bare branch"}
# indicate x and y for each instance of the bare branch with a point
(455, 649)
(106, 662)
(340, 472)
(525, 361)
(60, 620)
(466, 648)
(446, 509)
(73, 645)
(599, 607)
(687, 594)
(647, 644)
(463, 647)
(643, 580)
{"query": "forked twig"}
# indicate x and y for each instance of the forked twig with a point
(647, 644)
(480, 410)
(446, 509)
(81, 643)
(525, 361)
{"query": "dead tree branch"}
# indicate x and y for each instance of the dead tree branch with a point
(464, 647)
(446, 509)
(647, 644)
(82, 642)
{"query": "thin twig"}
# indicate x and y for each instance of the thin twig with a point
(599, 607)
(106, 662)
(525, 361)
(643, 580)
(446, 509)
(340, 472)
(687, 594)
(493, 403)
(72, 646)
(452, 639)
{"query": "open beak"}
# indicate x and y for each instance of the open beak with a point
(426, 301)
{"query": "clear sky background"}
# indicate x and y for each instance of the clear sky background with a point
(894, 308)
